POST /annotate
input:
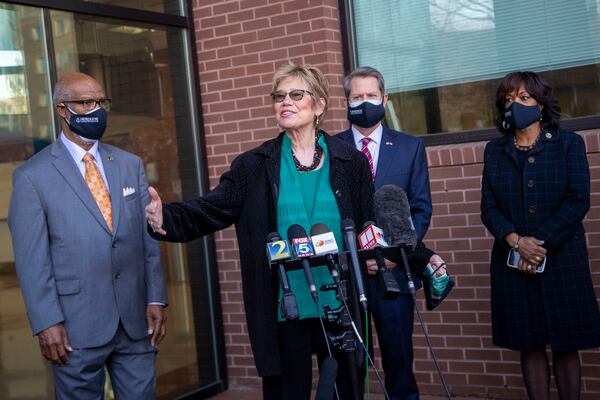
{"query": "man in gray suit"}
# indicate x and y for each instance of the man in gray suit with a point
(90, 274)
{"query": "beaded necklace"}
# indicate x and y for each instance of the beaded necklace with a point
(528, 147)
(316, 158)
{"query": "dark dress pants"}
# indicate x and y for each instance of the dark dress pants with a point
(130, 363)
(298, 340)
(394, 324)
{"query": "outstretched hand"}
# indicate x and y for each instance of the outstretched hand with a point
(154, 213)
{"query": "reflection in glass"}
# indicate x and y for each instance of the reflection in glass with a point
(471, 106)
(443, 59)
(25, 128)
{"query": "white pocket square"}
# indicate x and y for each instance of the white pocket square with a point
(128, 191)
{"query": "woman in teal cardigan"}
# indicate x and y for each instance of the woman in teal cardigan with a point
(303, 177)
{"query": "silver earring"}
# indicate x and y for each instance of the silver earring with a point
(317, 120)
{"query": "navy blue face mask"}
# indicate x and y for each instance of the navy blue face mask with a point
(520, 116)
(90, 125)
(366, 114)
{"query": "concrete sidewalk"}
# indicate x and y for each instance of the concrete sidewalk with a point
(255, 394)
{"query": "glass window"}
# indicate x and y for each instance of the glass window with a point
(26, 126)
(146, 70)
(162, 6)
(442, 59)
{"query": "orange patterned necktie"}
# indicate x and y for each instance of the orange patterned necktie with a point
(98, 188)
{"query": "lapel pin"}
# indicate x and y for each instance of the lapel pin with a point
(548, 135)
(110, 157)
(389, 143)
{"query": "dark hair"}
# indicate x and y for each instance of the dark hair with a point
(538, 88)
(363, 72)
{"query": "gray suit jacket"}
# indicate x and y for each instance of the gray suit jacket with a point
(71, 268)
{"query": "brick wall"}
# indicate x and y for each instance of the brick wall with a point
(240, 44)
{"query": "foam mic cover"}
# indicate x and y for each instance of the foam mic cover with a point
(318, 229)
(392, 212)
(327, 375)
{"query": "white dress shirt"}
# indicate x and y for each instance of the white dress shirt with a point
(373, 146)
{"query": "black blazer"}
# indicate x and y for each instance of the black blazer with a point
(247, 197)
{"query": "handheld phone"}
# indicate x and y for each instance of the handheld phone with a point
(514, 257)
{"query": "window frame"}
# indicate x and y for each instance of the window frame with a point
(348, 35)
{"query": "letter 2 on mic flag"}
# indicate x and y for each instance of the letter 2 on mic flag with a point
(278, 250)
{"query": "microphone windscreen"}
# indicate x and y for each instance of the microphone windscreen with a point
(296, 231)
(327, 375)
(367, 224)
(273, 237)
(318, 229)
(347, 224)
(392, 212)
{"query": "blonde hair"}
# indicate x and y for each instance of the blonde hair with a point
(314, 78)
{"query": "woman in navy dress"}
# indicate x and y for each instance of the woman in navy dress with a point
(535, 194)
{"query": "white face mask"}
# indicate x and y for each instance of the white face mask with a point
(359, 102)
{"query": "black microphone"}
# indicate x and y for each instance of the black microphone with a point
(303, 249)
(392, 212)
(327, 375)
(350, 241)
(324, 243)
(386, 282)
(278, 251)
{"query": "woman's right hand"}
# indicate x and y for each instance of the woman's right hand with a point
(154, 214)
(532, 254)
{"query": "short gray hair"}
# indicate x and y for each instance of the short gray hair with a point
(62, 89)
(363, 72)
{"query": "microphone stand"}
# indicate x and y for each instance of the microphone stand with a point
(413, 293)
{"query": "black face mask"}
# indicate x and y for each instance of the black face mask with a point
(89, 126)
(520, 116)
(366, 114)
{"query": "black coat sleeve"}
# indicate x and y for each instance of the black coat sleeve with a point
(220, 208)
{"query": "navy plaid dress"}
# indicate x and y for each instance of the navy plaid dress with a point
(546, 195)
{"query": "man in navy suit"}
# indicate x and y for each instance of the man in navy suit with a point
(399, 159)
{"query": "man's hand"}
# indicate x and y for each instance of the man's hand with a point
(55, 344)
(154, 213)
(372, 267)
(438, 264)
(157, 323)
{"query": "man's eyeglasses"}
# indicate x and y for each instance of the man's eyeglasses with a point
(90, 104)
(296, 95)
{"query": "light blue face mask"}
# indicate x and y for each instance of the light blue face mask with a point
(438, 283)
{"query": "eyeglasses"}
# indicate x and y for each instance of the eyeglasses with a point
(90, 104)
(295, 95)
